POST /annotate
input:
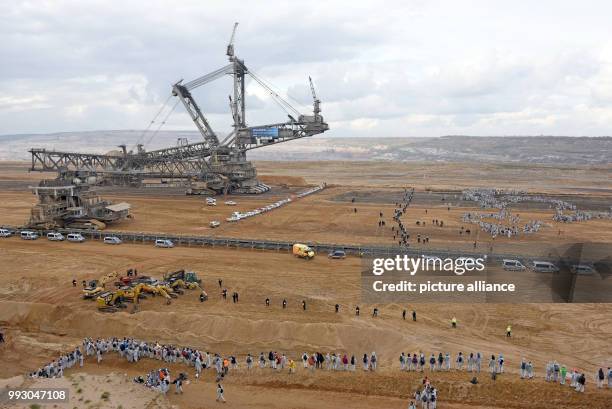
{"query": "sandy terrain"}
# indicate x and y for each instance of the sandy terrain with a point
(328, 216)
(42, 314)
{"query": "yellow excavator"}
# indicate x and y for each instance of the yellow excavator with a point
(178, 285)
(110, 301)
(133, 294)
(156, 290)
(167, 289)
(96, 287)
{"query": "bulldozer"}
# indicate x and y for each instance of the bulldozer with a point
(110, 301)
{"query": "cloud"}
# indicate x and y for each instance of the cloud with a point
(400, 68)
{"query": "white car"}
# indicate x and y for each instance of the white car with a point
(55, 236)
(75, 238)
(543, 267)
(211, 202)
(512, 265)
(112, 240)
(230, 203)
(5, 233)
(164, 243)
(214, 224)
(29, 235)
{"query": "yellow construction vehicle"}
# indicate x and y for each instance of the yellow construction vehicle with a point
(110, 301)
(96, 287)
(110, 277)
(303, 251)
(169, 290)
(133, 294)
(92, 290)
(177, 286)
(159, 290)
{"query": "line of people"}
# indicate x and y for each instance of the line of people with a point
(444, 362)
(133, 350)
(558, 373)
(401, 233)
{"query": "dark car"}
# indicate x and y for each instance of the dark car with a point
(337, 254)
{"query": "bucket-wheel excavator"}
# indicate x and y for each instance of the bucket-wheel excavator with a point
(216, 164)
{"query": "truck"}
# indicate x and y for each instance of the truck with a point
(303, 251)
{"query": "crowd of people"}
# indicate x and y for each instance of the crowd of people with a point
(428, 396)
(501, 199)
(133, 350)
(580, 216)
(511, 229)
(160, 380)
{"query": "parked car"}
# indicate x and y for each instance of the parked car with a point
(55, 236)
(337, 254)
(214, 224)
(582, 269)
(29, 235)
(543, 267)
(512, 265)
(230, 203)
(211, 202)
(164, 243)
(112, 240)
(76, 237)
(5, 233)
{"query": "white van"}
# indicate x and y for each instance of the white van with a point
(29, 235)
(76, 237)
(164, 243)
(112, 240)
(55, 236)
(512, 265)
(543, 267)
(5, 233)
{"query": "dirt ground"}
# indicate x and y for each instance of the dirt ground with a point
(41, 313)
(329, 216)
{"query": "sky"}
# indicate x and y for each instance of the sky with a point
(381, 68)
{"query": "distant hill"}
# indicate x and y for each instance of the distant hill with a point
(530, 149)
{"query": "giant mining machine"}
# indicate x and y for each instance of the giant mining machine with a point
(73, 205)
(214, 165)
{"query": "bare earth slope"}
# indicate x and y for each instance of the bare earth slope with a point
(41, 313)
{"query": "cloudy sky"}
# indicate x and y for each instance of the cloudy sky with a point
(382, 68)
